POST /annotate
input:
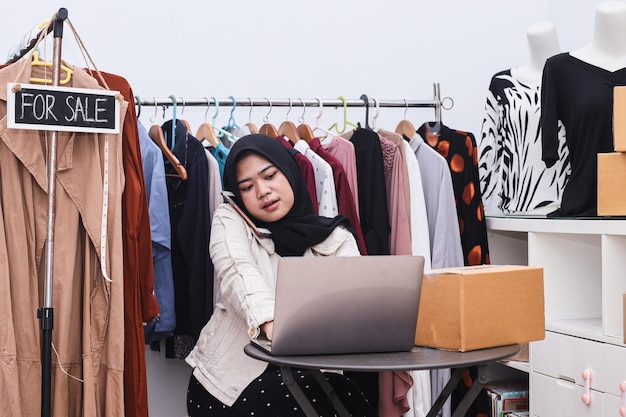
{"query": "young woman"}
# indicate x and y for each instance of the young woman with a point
(268, 188)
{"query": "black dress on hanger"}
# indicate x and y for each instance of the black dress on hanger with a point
(459, 149)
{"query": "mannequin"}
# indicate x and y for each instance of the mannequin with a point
(543, 43)
(577, 91)
(607, 48)
(513, 178)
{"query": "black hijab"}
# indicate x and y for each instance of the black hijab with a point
(301, 228)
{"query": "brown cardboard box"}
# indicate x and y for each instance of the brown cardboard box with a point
(619, 119)
(471, 308)
(612, 184)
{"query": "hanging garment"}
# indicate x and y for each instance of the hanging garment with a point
(88, 331)
(397, 187)
(581, 96)
(373, 210)
(220, 152)
(215, 182)
(513, 178)
(140, 304)
(345, 200)
(190, 223)
(459, 149)
(400, 197)
(414, 195)
(324, 181)
(306, 169)
(156, 190)
(443, 225)
(343, 151)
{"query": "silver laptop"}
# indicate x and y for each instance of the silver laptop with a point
(333, 305)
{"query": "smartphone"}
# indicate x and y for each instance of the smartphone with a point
(259, 231)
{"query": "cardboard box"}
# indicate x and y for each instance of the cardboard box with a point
(619, 119)
(611, 184)
(478, 307)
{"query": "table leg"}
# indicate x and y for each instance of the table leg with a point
(297, 393)
(469, 397)
(330, 393)
(455, 377)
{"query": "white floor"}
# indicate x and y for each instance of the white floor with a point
(167, 385)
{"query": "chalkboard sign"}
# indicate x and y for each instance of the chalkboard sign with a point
(37, 107)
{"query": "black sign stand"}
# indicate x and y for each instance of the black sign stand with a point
(46, 313)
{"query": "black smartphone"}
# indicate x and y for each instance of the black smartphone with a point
(259, 231)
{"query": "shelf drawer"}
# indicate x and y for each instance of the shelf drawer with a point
(615, 368)
(611, 405)
(552, 397)
(565, 357)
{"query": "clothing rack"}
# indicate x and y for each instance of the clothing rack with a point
(273, 102)
(28, 44)
(365, 101)
(45, 314)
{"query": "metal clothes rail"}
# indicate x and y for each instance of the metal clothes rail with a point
(365, 101)
(281, 102)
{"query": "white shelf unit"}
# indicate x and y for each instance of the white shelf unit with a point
(584, 262)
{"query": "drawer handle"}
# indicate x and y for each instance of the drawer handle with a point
(586, 397)
(622, 408)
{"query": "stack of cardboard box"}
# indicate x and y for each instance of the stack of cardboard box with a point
(612, 166)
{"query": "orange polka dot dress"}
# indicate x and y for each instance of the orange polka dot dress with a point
(460, 150)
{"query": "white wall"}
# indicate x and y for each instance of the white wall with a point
(390, 49)
(326, 48)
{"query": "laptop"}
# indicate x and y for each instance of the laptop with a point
(334, 305)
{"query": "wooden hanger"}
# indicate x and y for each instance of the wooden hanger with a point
(37, 62)
(305, 132)
(405, 128)
(206, 131)
(156, 134)
(187, 125)
(289, 130)
(269, 130)
(252, 127)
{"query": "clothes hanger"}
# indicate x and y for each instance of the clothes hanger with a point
(253, 128)
(317, 121)
(37, 62)
(206, 132)
(185, 122)
(405, 127)
(288, 128)
(375, 118)
(138, 104)
(304, 130)
(268, 128)
(220, 133)
(345, 118)
(231, 120)
(156, 134)
(434, 128)
(366, 100)
(173, 130)
(227, 138)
